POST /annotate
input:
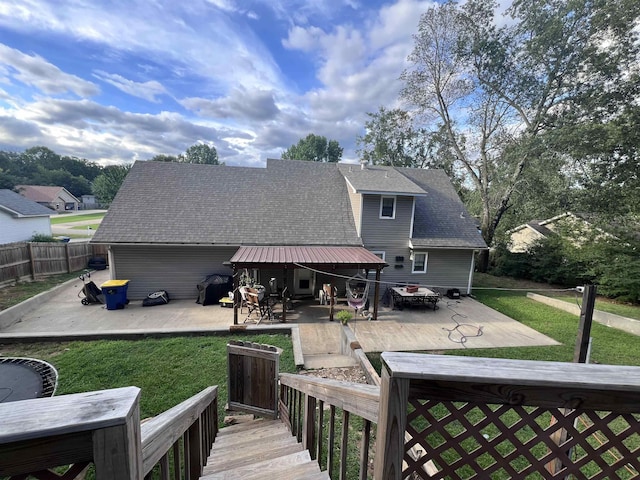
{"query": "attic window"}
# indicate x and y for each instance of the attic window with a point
(388, 207)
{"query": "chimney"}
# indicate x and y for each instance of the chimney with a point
(363, 164)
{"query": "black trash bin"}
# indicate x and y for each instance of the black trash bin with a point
(213, 287)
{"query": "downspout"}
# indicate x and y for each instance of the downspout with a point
(473, 267)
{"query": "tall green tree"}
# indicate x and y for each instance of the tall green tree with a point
(497, 92)
(200, 153)
(391, 139)
(314, 148)
(107, 184)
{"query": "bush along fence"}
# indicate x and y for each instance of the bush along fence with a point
(32, 260)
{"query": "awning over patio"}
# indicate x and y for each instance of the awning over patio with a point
(341, 257)
(320, 257)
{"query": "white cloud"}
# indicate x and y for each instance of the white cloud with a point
(35, 71)
(258, 105)
(204, 55)
(147, 90)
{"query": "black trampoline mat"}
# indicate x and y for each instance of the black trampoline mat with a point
(19, 382)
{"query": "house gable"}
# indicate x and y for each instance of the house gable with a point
(21, 218)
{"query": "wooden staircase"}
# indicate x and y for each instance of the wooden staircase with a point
(259, 449)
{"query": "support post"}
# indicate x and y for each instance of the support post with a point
(376, 296)
(237, 299)
(584, 327)
(392, 423)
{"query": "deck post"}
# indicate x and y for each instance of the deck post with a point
(376, 296)
(392, 420)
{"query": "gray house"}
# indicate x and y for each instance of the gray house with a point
(172, 224)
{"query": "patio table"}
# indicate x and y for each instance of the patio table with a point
(423, 296)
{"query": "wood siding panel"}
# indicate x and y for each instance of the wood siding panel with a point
(22, 229)
(377, 233)
(356, 208)
(445, 269)
(176, 269)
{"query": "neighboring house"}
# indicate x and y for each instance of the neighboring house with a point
(21, 218)
(88, 202)
(568, 225)
(56, 198)
(171, 224)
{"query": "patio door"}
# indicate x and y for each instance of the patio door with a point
(304, 281)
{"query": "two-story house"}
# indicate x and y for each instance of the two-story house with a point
(302, 223)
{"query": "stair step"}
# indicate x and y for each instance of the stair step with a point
(254, 425)
(240, 446)
(288, 467)
(221, 461)
(250, 438)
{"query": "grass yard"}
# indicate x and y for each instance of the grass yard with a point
(93, 226)
(508, 296)
(167, 370)
(58, 219)
(14, 294)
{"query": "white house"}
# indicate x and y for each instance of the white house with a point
(21, 218)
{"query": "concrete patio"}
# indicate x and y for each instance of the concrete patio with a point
(457, 324)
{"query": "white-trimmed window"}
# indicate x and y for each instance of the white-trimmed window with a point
(388, 207)
(419, 263)
(381, 255)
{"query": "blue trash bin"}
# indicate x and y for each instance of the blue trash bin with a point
(115, 293)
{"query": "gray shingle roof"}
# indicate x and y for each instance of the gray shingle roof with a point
(379, 179)
(441, 219)
(289, 203)
(19, 206)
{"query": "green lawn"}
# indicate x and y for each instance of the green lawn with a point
(57, 219)
(167, 370)
(508, 296)
(94, 226)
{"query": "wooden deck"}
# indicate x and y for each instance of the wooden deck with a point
(260, 449)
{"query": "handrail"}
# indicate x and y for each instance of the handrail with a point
(357, 398)
(164, 431)
(302, 408)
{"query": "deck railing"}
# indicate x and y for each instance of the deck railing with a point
(303, 401)
(70, 432)
(492, 418)
(177, 442)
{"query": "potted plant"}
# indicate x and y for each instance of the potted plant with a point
(344, 316)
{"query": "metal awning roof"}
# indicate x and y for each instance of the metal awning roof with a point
(288, 255)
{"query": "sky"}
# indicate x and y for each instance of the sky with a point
(125, 80)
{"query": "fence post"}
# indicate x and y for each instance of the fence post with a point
(32, 261)
(67, 255)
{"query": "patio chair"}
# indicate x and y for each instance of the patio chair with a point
(257, 305)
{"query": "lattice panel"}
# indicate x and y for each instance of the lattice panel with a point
(472, 440)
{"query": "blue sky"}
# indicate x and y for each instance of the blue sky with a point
(124, 80)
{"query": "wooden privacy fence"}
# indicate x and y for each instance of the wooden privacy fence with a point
(23, 260)
(252, 377)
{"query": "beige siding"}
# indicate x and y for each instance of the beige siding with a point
(176, 269)
(356, 208)
(523, 239)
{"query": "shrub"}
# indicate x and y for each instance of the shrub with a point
(41, 237)
(344, 316)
